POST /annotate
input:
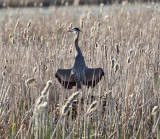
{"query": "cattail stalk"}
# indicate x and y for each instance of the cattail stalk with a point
(65, 108)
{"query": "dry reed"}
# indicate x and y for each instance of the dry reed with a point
(123, 40)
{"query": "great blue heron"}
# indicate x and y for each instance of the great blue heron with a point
(80, 74)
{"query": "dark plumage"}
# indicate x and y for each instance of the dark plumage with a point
(80, 74)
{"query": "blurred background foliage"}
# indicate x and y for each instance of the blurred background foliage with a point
(46, 3)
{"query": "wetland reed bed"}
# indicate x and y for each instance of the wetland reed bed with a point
(124, 42)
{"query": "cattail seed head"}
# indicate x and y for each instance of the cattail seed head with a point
(141, 34)
(112, 63)
(65, 108)
(81, 23)
(42, 105)
(57, 22)
(35, 69)
(109, 28)
(95, 23)
(142, 51)
(129, 60)
(64, 48)
(3, 73)
(98, 24)
(70, 25)
(66, 3)
(106, 18)
(45, 67)
(93, 29)
(92, 107)
(24, 76)
(41, 4)
(65, 36)
(29, 81)
(71, 50)
(68, 28)
(4, 4)
(46, 89)
(89, 15)
(5, 67)
(40, 100)
(101, 8)
(17, 23)
(63, 42)
(116, 67)
(24, 33)
(29, 24)
(90, 60)
(42, 39)
(105, 47)
(6, 60)
(12, 41)
(35, 4)
(155, 110)
(96, 45)
(10, 35)
(131, 51)
(117, 48)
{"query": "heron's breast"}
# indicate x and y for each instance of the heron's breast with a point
(79, 62)
(79, 68)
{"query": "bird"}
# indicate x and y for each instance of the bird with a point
(79, 74)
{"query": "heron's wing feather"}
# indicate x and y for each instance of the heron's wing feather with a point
(93, 76)
(66, 78)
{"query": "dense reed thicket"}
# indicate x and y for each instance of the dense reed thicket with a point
(47, 3)
(124, 41)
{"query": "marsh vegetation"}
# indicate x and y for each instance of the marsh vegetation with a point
(124, 41)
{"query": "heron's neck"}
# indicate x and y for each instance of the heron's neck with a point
(76, 45)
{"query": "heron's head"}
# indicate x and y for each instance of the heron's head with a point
(75, 30)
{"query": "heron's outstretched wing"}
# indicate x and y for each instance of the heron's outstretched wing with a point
(93, 76)
(66, 78)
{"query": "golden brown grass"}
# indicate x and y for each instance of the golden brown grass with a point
(124, 41)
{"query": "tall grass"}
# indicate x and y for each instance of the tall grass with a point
(124, 41)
